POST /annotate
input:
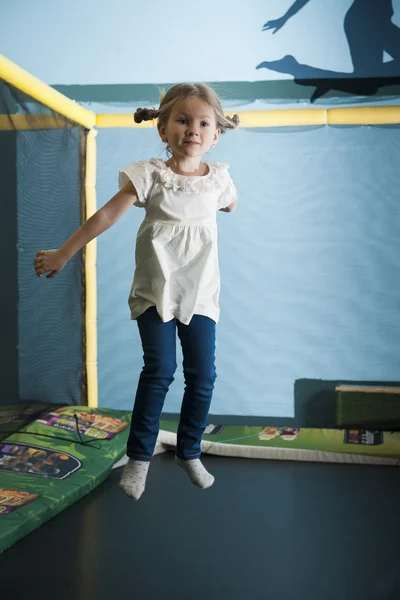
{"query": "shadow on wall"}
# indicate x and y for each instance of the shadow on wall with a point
(370, 32)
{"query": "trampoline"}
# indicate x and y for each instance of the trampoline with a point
(266, 529)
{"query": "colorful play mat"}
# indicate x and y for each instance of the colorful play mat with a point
(51, 456)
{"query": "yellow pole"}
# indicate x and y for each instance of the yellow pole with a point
(292, 117)
(33, 87)
(365, 115)
(90, 271)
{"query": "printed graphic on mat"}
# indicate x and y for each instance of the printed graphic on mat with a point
(363, 437)
(10, 500)
(36, 460)
(213, 429)
(89, 423)
(286, 433)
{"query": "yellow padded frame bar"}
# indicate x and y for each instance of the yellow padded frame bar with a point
(363, 115)
(90, 274)
(373, 115)
(30, 85)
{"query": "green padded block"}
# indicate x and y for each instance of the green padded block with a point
(368, 406)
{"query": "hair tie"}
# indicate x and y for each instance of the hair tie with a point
(145, 114)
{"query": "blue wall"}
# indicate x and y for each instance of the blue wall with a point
(84, 42)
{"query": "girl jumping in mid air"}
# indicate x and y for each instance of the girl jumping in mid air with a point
(176, 284)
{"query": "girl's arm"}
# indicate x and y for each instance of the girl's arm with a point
(53, 261)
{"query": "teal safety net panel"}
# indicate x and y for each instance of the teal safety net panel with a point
(41, 345)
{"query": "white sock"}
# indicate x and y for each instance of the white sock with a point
(197, 472)
(133, 480)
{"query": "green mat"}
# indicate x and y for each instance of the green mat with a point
(47, 465)
(287, 443)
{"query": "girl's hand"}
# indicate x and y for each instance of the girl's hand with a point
(277, 24)
(49, 261)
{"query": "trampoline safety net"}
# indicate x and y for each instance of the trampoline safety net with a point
(42, 160)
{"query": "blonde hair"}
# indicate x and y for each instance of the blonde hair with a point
(180, 92)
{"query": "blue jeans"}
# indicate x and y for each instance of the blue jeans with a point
(159, 347)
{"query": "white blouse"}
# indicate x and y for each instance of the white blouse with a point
(177, 266)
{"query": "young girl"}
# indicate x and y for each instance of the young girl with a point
(176, 284)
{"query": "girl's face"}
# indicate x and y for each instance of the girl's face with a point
(191, 129)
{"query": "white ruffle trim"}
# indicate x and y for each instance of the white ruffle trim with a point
(194, 184)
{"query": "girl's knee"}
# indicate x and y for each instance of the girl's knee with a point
(200, 375)
(160, 368)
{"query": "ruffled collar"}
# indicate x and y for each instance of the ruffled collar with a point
(194, 184)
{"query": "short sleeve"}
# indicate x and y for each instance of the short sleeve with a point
(140, 173)
(228, 193)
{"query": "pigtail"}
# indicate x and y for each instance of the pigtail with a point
(232, 122)
(145, 114)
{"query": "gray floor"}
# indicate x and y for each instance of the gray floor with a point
(265, 530)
